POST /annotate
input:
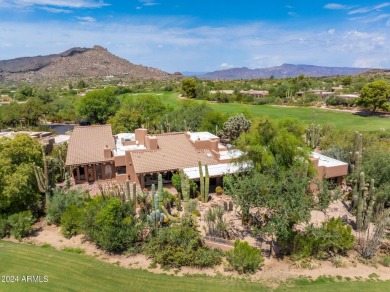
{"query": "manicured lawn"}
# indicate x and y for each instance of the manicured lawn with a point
(74, 272)
(341, 120)
(77, 272)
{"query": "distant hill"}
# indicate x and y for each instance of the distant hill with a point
(283, 71)
(75, 63)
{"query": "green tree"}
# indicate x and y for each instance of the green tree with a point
(126, 120)
(268, 143)
(11, 114)
(189, 116)
(283, 192)
(375, 95)
(33, 110)
(98, 105)
(213, 122)
(188, 86)
(18, 188)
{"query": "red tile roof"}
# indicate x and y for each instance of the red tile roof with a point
(175, 152)
(87, 144)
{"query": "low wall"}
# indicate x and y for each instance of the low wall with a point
(223, 244)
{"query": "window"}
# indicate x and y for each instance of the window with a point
(99, 171)
(121, 170)
(108, 171)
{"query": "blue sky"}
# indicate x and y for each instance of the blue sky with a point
(200, 35)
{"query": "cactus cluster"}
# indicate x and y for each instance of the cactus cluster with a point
(364, 197)
(126, 192)
(156, 217)
(204, 182)
(313, 136)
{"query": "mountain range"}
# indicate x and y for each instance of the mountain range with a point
(75, 63)
(283, 71)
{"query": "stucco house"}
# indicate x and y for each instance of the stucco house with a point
(95, 154)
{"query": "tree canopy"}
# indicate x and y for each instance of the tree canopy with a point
(269, 143)
(188, 85)
(375, 95)
(282, 194)
(18, 189)
(98, 105)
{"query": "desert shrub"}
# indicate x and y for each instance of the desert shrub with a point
(71, 221)
(266, 100)
(4, 227)
(386, 261)
(333, 237)
(192, 206)
(181, 245)
(111, 225)
(244, 258)
(21, 224)
(60, 202)
(335, 100)
(216, 225)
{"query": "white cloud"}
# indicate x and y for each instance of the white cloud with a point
(369, 8)
(54, 3)
(336, 6)
(331, 31)
(148, 2)
(86, 19)
(225, 66)
(55, 10)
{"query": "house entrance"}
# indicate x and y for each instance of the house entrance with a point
(91, 176)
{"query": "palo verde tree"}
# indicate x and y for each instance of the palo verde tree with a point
(375, 95)
(283, 193)
(188, 86)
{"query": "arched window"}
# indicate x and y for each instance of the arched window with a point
(108, 170)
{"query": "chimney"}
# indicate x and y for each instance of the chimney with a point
(140, 135)
(107, 153)
(214, 145)
(151, 142)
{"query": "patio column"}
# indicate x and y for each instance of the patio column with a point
(78, 173)
(94, 172)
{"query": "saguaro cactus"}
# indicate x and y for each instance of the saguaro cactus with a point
(366, 198)
(201, 181)
(155, 218)
(204, 182)
(313, 136)
(185, 189)
(42, 178)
